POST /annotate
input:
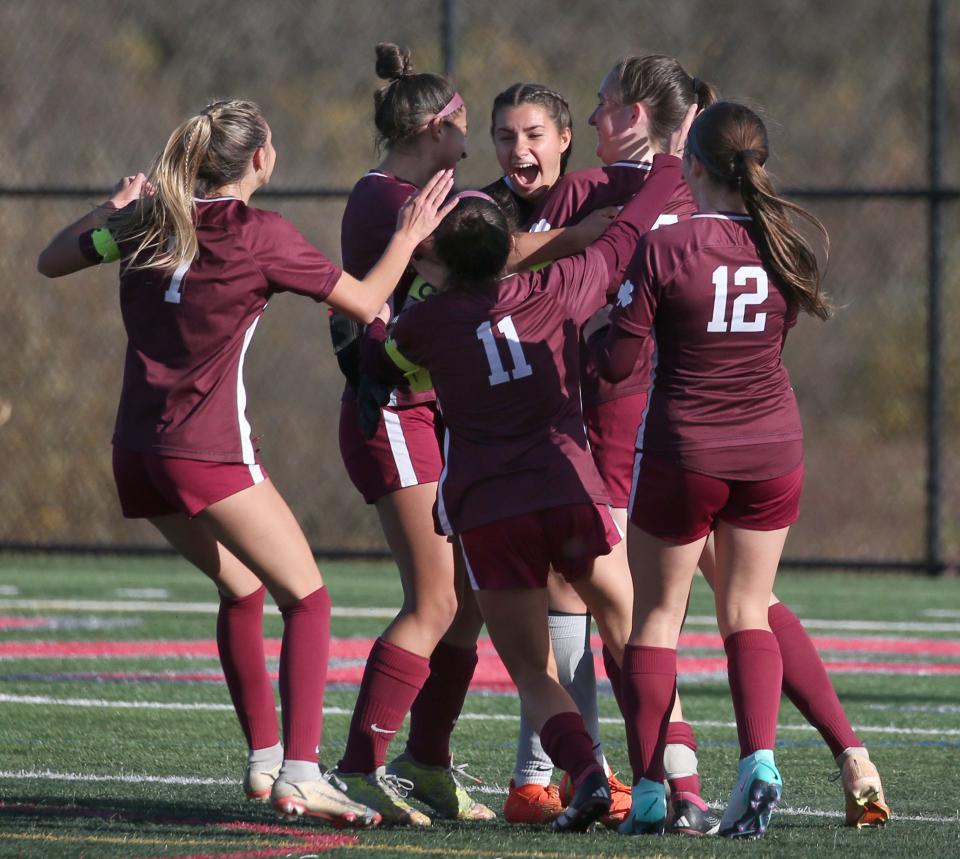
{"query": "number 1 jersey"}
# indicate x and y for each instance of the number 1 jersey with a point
(188, 331)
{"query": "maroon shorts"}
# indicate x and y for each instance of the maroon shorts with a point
(150, 485)
(518, 552)
(612, 433)
(681, 506)
(404, 452)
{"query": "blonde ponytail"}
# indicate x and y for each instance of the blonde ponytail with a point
(207, 151)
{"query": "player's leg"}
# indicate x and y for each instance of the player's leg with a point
(523, 644)
(808, 686)
(532, 798)
(397, 470)
(746, 566)
(256, 526)
(239, 644)
(662, 574)
(427, 761)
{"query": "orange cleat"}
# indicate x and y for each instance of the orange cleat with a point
(532, 803)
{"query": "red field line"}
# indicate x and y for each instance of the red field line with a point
(348, 656)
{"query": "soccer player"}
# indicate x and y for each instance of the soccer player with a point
(198, 265)
(719, 449)
(419, 664)
(641, 101)
(513, 425)
(638, 99)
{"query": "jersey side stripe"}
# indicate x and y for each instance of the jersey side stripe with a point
(466, 562)
(441, 506)
(246, 445)
(638, 444)
(398, 447)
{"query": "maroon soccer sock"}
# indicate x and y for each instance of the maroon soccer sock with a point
(806, 683)
(681, 734)
(240, 645)
(391, 681)
(649, 687)
(615, 676)
(437, 707)
(565, 739)
(304, 652)
(755, 672)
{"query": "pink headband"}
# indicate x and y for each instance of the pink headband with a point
(479, 194)
(449, 108)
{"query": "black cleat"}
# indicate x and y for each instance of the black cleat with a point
(690, 815)
(590, 802)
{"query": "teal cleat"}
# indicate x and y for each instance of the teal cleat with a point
(648, 809)
(756, 794)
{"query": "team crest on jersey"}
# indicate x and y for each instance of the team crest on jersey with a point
(625, 293)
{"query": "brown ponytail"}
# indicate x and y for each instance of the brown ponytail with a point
(730, 140)
(207, 151)
(409, 101)
(665, 89)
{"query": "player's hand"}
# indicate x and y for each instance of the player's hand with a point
(422, 213)
(593, 225)
(678, 139)
(131, 188)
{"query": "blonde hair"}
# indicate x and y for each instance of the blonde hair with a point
(207, 151)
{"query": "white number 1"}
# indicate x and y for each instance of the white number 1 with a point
(174, 291)
(499, 375)
(718, 324)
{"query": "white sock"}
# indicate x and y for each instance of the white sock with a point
(299, 771)
(266, 758)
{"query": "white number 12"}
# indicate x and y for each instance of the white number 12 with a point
(498, 375)
(738, 323)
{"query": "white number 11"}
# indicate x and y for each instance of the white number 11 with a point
(499, 375)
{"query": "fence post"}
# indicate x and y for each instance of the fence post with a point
(448, 36)
(935, 300)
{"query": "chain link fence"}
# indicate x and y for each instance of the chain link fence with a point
(90, 90)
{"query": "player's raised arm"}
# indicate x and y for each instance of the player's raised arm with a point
(64, 254)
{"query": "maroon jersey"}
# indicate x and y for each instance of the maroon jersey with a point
(188, 332)
(369, 222)
(504, 364)
(720, 391)
(570, 200)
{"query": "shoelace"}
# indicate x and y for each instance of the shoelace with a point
(461, 770)
(393, 783)
(332, 778)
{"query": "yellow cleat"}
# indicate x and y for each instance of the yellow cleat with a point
(439, 788)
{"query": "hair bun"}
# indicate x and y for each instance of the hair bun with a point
(393, 62)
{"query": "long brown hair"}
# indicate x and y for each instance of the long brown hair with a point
(730, 140)
(207, 151)
(665, 89)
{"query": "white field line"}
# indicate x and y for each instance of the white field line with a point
(169, 607)
(103, 703)
(496, 790)
(380, 612)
